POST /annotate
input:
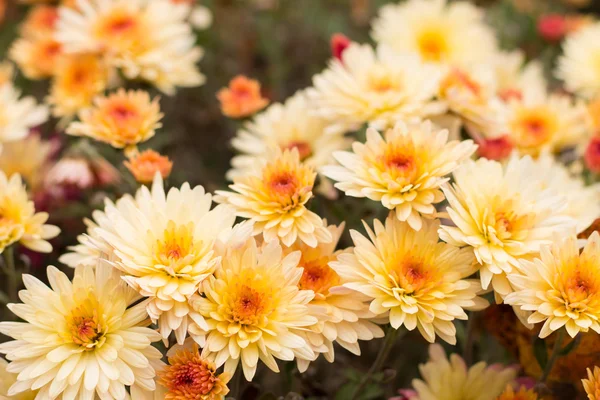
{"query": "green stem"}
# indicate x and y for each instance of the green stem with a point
(470, 339)
(554, 356)
(12, 275)
(384, 351)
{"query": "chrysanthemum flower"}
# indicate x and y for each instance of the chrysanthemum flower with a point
(18, 115)
(18, 220)
(286, 126)
(420, 282)
(123, 119)
(513, 75)
(503, 215)
(40, 22)
(522, 394)
(562, 287)
(149, 40)
(8, 379)
(592, 384)
(404, 171)
(189, 376)
(452, 379)
(251, 306)
(27, 157)
(36, 58)
(163, 245)
(146, 164)
(578, 66)
(374, 86)
(273, 195)
(450, 34)
(343, 314)
(242, 98)
(79, 78)
(82, 338)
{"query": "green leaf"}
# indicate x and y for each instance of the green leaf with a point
(540, 352)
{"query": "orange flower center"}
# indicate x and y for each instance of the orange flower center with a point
(249, 305)
(578, 287)
(121, 30)
(177, 243)
(85, 326)
(380, 79)
(318, 276)
(400, 163)
(411, 275)
(304, 149)
(534, 127)
(284, 184)
(432, 44)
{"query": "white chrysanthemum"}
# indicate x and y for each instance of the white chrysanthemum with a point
(404, 170)
(81, 339)
(18, 115)
(251, 306)
(374, 86)
(286, 126)
(343, 314)
(562, 287)
(420, 282)
(504, 213)
(453, 379)
(163, 244)
(441, 33)
(514, 76)
(579, 66)
(147, 39)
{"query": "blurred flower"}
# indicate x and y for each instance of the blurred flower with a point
(18, 115)
(189, 376)
(562, 287)
(374, 86)
(578, 66)
(420, 282)
(7, 72)
(19, 222)
(201, 18)
(339, 43)
(242, 98)
(441, 33)
(522, 394)
(251, 305)
(344, 315)
(552, 27)
(123, 119)
(95, 340)
(8, 379)
(163, 246)
(404, 171)
(503, 215)
(147, 40)
(36, 58)
(146, 164)
(79, 78)
(70, 171)
(495, 149)
(273, 195)
(286, 126)
(592, 155)
(40, 22)
(513, 75)
(478, 382)
(592, 384)
(27, 157)
(593, 108)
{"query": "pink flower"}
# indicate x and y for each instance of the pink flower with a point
(552, 27)
(592, 155)
(339, 43)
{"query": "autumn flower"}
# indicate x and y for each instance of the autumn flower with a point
(146, 164)
(242, 98)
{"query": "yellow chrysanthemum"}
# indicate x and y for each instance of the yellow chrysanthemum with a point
(504, 213)
(251, 306)
(27, 157)
(443, 379)
(286, 126)
(37, 58)
(162, 244)
(562, 287)
(18, 115)
(79, 78)
(122, 119)
(7, 380)
(18, 220)
(273, 195)
(148, 40)
(522, 394)
(188, 376)
(579, 66)
(592, 384)
(82, 338)
(440, 33)
(343, 314)
(404, 171)
(420, 282)
(374, 86)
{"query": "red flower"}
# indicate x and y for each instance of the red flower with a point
(552, 27)
(592, 155)
(339, 43)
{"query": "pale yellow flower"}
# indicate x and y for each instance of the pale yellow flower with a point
(273, 195)
(251, 306)
(95, 341)
(440, 32)
(562, 287)
(122, 119)
(592, 384)
(27, 157)
(505, 214)
(514, 76)
(420, 282)
(374, 86)
(18, 115)
(8, 379)
(404, 169)
(579, 66)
